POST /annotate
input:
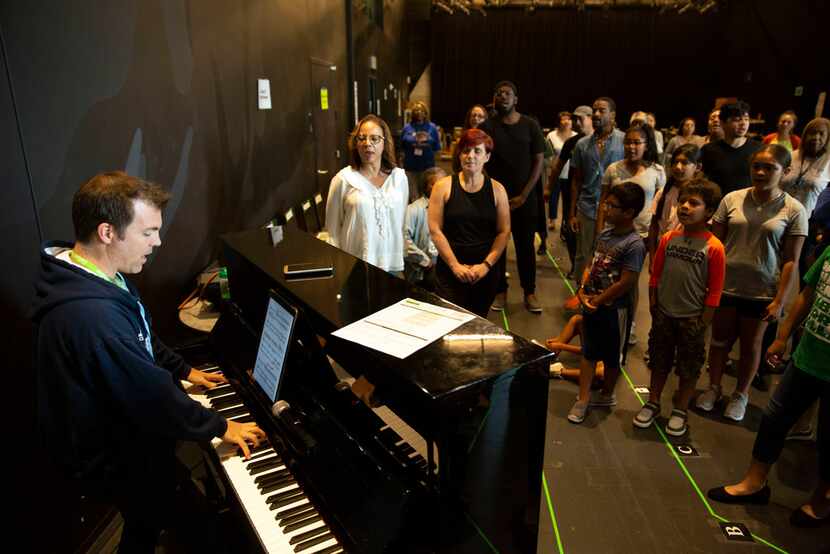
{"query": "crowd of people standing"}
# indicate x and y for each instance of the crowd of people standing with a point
(725, 225)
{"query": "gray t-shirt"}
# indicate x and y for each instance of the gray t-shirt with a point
(754, 241)
(688, 273)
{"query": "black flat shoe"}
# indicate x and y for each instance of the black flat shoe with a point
(799, 518)
(719, 494)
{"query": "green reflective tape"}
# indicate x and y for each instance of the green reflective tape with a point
(666, 441)
(559, 270)
(481, 534)
(689, 475)
(552, 515)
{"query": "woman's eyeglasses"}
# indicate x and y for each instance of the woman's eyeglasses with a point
(373, 139)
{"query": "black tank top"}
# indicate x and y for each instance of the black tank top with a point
(470, 221)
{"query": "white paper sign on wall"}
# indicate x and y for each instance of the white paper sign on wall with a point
(264, 94)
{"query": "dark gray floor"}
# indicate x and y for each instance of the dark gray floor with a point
(614, 488)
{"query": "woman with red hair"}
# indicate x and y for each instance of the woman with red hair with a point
(469, 220)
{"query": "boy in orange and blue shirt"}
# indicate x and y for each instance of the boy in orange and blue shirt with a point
(684, 290)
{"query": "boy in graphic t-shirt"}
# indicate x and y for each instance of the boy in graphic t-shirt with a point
(684, 290)
(605, 296)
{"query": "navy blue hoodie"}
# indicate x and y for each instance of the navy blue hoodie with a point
(102, 398)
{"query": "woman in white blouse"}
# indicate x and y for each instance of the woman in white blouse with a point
(810, 171)
(367, 199)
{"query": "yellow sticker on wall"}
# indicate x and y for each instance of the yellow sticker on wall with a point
(324, 98)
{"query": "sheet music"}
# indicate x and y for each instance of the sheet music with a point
(404, 328)
(273, 345)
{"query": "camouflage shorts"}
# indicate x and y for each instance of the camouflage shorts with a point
(679, 342)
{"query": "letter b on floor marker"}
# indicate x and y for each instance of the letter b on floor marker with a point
(736, 532)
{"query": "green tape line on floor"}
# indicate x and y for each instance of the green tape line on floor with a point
(665, 439)
(689, 475)
(552, 515)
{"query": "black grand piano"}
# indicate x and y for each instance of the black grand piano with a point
(446, 457)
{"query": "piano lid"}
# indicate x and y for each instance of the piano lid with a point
(473, 353)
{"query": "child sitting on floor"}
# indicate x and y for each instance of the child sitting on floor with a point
(562, 343)
(684, 290)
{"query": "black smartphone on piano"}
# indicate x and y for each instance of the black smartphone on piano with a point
(309, 270)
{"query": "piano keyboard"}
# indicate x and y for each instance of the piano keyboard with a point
(405, 441)
(406, 444)
(283, 518)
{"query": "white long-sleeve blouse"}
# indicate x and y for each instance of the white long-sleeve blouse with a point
(367, 221)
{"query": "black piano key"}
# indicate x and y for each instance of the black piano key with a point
(257, 449)
(230, 412)
(261, 459)
(306, 540)
(255, 468)
(297, 517)
(209, 368)
(282, 514)
(258, 456)
(417, 462)
(225, 402)
(283, 499)
(406, 449)
(312, 518)
(400, 456)
(272, 455)
(389, 437)
(219, 391)
(277, 485)
(330, 549)
(244, 419)
(265, 479)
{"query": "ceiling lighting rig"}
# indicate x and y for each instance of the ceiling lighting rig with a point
(468, 7)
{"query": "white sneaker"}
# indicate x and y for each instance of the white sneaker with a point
(578, 411)
(708, 399)
(736, 409)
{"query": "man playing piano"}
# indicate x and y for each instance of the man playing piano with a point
(109, 406)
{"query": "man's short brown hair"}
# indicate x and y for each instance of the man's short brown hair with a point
(108, 198)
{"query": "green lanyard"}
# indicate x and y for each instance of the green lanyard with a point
(95, 270)
(121, 283)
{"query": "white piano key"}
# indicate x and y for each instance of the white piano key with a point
(254, 501)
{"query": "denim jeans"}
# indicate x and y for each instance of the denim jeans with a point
(796, 392)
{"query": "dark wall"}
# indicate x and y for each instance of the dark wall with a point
(674, 65)
(389, 46)
(165, 89)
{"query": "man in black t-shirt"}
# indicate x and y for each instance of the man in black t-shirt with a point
(516, 162)
(726, 162)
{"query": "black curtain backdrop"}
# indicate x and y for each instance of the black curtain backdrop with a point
(673, 65)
